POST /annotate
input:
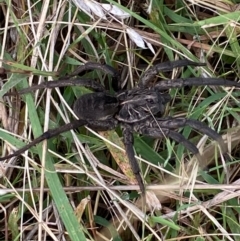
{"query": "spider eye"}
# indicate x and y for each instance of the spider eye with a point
(150, 101)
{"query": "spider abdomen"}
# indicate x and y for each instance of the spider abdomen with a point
(95, 106)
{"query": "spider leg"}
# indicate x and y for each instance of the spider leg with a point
(103, 67)
(105, 125)
(164, 67)
(159, 132)
(47, 135)
(174, 123)
(92, 66)
(178, 83)
(96, 125)
(62, 83)
(68, 81)
(128, 142)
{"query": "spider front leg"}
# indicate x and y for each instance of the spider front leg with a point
(197, 81)
(164, 67)
(128, 142)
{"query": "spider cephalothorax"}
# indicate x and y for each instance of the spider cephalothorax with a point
(139, 109)
(140, 103)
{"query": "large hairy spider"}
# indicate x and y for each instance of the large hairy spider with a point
(137, 110)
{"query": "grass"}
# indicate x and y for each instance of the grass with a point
(79, 186)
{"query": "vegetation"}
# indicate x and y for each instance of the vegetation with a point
(78, 186)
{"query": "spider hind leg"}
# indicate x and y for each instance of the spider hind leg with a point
(47, 135)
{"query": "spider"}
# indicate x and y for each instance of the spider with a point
(138, 110)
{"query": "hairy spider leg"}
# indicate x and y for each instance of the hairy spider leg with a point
(68, 81)
(179, 83)
(174, 123)
(164, 67)
(94, 109)
(47, 135)
(116, 85)
(107, 125)
(128, 142)
(159, 132)
(63, 83)
(92, 66)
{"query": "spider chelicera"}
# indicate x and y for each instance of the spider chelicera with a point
(137, 110)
